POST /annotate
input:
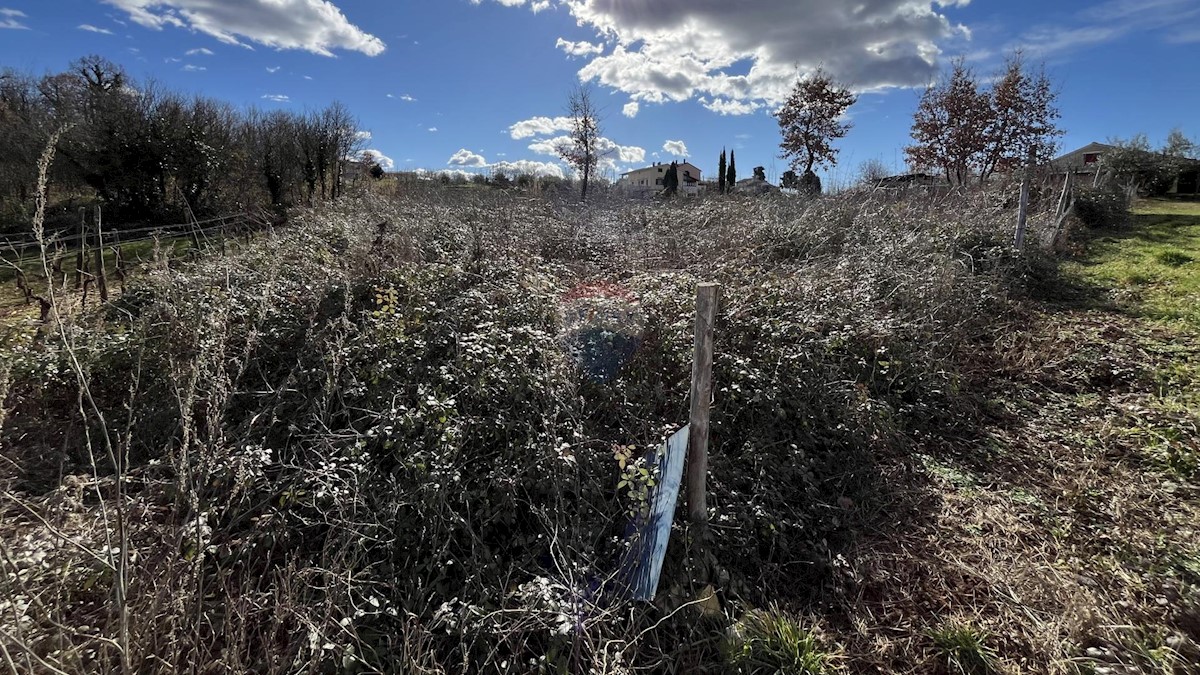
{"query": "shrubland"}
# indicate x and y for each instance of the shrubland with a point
(364, 442)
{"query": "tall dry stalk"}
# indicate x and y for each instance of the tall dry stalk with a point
(116, 553)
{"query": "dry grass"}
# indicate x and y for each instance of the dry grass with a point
(345, 452)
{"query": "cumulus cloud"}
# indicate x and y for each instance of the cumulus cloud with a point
(675, 148)
(466, 158)
(540, 126)
(8, 19)
(724, 106)
(535, 5)
(277, 98)
(317, 26)
(579, 48)
(362, 136)
(190, 68)
(202, 51)
(94, 29)
(529, 166)
(611, 152)
(676, 50)
(631, 109)
(379, 158)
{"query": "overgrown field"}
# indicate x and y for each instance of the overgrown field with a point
(380, 440)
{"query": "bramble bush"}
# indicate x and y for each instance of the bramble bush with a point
(340, 454)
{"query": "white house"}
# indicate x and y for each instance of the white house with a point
(649, 180)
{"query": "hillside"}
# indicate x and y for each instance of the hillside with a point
(387, 437)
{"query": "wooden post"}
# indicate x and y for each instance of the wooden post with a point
(80, 255)
(1023, 212)
(1062, 198)
(101, 278)
(707, 298)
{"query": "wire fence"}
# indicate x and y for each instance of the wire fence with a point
(23, 251)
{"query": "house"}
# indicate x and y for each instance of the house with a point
(754, 186)
(1088, 163)
(908, 180)
(1082, 163)
(649, 180)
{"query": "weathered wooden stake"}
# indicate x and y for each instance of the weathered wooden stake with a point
(708, 296)
(1066, 204)
(1062, 197)
(80, 259)
(1023, 212)
(101, 278)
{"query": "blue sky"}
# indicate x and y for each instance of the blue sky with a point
(473, 84)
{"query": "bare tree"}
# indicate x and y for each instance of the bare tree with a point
(582, 149)
(812, 118)
(871, 172)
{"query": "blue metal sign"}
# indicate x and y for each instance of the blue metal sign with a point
(649, 534)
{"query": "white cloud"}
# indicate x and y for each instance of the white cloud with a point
(189, 68)
(1106, 22)
(381, 159)
(317, 26)
(406, 98)
(202, 51)
(535, 5)
(540, 126)
(466, 158)
(676, 50)
(724, 106)
(530, 167)
(362, 135)
(631, 109)
(579, 48)
(611, 152)
(94, 29)
(277, 98)
(675, 148)
(273, 70)
(8, 19)
(432, 130)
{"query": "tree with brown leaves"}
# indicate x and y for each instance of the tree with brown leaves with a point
(1023, 114)
(811, 119)
(950, 126)
(964, 130)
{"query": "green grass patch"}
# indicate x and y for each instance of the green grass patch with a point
(1150, 266)
(963, 650)
(771, 641)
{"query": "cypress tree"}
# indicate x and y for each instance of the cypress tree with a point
(721, 173)
(731, 178)
(671, 180)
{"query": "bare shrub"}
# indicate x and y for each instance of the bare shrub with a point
(340, 448)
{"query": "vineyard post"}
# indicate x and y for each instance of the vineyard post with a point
(707, 299)
(79, 255)
(1023, 211)
(101, 279)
